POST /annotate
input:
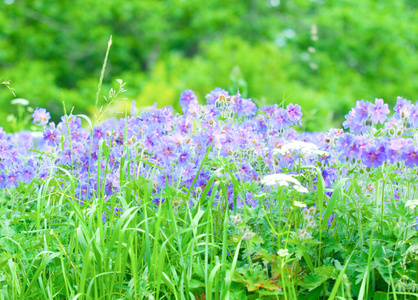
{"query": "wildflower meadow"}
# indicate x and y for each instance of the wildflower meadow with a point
(225, 200)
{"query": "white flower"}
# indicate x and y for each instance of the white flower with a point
(236, 220)
(283, 180)
(37, 134)
(279, 179)
(321, 153)
(299, 204)
(283, 252)
(20, 101)
(411, 204)
(300, 189)
(259, 196)
(248, 235)
(300, 147)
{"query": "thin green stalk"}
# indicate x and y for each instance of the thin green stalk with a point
(99, 87)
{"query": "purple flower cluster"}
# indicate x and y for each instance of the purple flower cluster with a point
(360, 118)
(176, 144)
(41, 116)
(392, 144)
(167, 149)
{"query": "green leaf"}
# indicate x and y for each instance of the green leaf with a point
(256, 278)
(333, 202)
(316, 279)
(195, 284)
(257, 239)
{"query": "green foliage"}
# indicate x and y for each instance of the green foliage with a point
(322, 55)
(125, 245)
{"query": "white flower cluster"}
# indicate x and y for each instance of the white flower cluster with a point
(299, 204)
(303, 234)
(308, 215)
(236, 220)
(283, 180)
(411, 204)
(302, 148)
(283, 252)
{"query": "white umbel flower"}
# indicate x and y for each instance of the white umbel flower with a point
(20, 101)
(411, 204)
(279, 179)
(283, 252)
(283, 180)
(301, 189)
(300, 147)
(299, 204)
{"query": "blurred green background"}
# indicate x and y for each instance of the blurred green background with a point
(321, 54)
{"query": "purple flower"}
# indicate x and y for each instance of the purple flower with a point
(394, 149)
(185, 125)
(98, 133)
(3, 177)
(344, 141)
(2, 134)
(41, 116)
(78, 149)
(250, 200)
(158, 201)
(12, 179)
(362, 111)
(5, 149)
(166, 152)
(83, 191)
(215, 94)
(157, 117)
(112, 184)
(133, 110)
(330, 220)
(351, 122)
(249, 108)
(280, 119)
(401, 108)
(413, 116)
(342, 145)
(164, 180)
(216, 135)
(186, 98)
(73, 122)
(104, 217)
(270, 110)
(236, 104)
(378, 111)
(357, 147)
(295, 113)
(65, 157)
(246, 168)
(51, 136)
(184, 157)
(410, 156)
(373, 156)
(188, 172)
(392, 124)
(26, 174)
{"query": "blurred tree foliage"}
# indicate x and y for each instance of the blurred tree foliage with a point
(322, 54)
